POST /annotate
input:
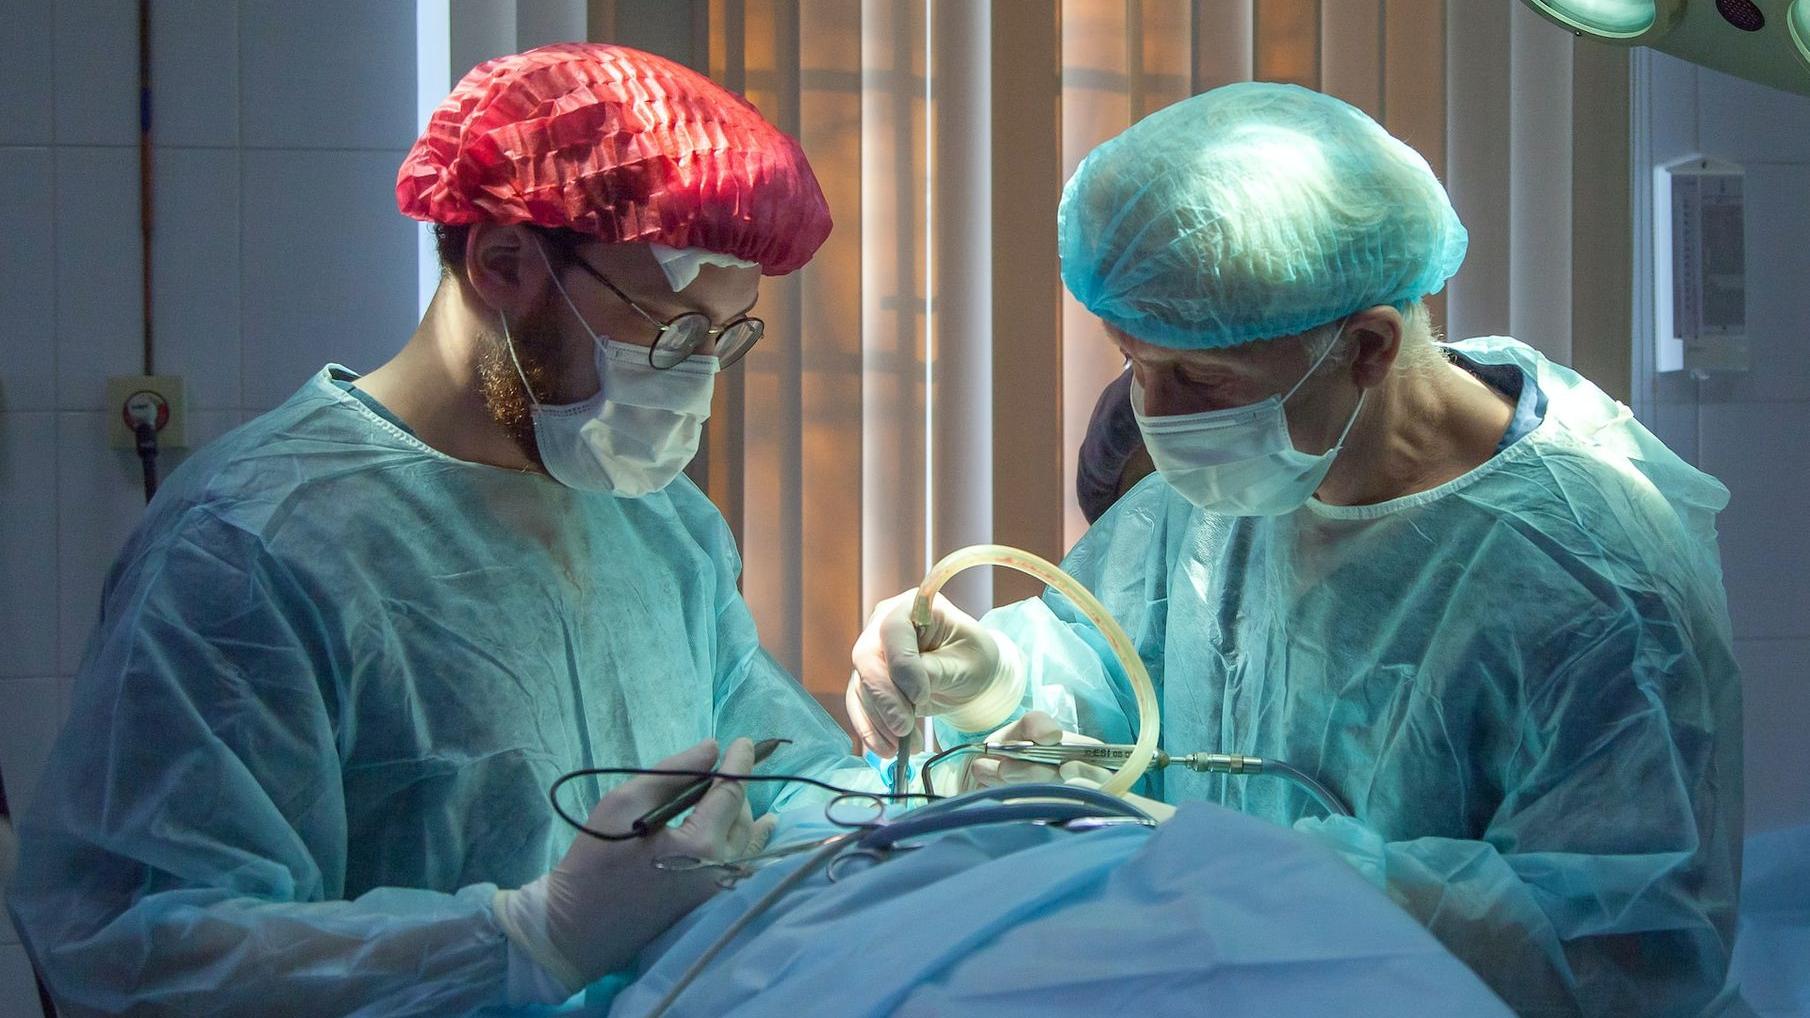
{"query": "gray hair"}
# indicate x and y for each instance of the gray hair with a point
(1419, 347)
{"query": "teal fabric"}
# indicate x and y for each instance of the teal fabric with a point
(334, 676)
(1517, 385)
(1252, 211)
(1522, 681)
(343, 382)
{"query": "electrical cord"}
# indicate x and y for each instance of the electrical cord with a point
(569, 776)
(146, 436)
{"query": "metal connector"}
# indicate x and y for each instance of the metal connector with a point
(1222, 763)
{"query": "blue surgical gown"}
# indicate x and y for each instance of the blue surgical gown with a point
(334, 676)
(1522, 681)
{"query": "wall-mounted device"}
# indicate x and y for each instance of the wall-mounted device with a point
(1700, 266)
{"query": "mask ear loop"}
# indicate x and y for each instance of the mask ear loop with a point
(1363, 394)
(509, 343)
(1320, 360)
(561, 287)
(1350, 422)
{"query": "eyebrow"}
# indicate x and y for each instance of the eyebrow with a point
(683, 308)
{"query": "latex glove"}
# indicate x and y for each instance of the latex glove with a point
(1035, 726)
(963, 673)
(605, 901)
(1086, 775)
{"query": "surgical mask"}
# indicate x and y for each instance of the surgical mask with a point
(637, 433)
(1241, 461)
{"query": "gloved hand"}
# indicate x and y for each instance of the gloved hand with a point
(605, 901)
(1035, 726)
(1086, 775)
(963, 672)
(1038, 727)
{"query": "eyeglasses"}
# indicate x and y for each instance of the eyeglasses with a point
(681, 336)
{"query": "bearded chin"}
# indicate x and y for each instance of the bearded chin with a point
(504, 396)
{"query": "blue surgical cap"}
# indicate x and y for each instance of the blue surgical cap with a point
(1249, 212)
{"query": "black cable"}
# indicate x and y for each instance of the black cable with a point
(147, 454)
(936, 758)
(553, 792)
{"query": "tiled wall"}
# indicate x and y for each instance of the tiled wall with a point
(1752, 430)
(280, 126)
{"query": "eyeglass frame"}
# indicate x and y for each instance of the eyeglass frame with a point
(709, 331)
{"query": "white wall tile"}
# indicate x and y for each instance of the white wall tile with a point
(100, 316)
(28, 544)
(195, 72)
(96, 72)
(25, 72)
(1775, 693)
(28, 728)
(328, 74)
(195, 265)
(18, 992)
(1673, 107)
(27, 283)
(1676, 425)
(1778, 265)
(1759, 451)
(1676, 387)
(1778, 317)
(319, 287)
(1749, 123)
(100, 498)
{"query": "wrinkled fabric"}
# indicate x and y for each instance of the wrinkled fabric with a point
(617, 144)
(335, 674)
(1213, 913)
(1522, 682)
(1772, 953)
(1252, 211)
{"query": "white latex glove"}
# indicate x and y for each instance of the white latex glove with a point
(605, 901)
(963, 672)
(1086, 775)
(1035, 726)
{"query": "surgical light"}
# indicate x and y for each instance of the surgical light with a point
(1763, 41)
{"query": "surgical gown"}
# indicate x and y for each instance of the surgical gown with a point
(335, 674)
(1522, 681)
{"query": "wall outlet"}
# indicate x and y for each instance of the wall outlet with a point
(157, 395)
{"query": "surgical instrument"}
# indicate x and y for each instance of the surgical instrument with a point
(661, 815)
(1111, 755)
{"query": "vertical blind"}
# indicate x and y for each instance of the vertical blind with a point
(925, 381)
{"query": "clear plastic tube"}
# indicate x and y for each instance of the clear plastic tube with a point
(1149, 724)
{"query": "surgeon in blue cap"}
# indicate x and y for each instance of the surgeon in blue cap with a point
(1454, 581)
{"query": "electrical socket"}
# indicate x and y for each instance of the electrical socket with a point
(165, 394)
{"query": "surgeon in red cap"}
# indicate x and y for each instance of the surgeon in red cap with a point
(354, 643)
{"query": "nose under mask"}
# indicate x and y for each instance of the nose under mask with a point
(641, 428)
(1240, 461)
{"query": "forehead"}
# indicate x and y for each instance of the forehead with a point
(717, 290)
(1255, 356)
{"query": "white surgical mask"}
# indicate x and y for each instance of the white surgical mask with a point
(640, 429)
(1241, 461)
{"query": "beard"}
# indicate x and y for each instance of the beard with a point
(537, 342)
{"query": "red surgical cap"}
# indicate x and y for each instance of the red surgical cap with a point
(621, 145)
